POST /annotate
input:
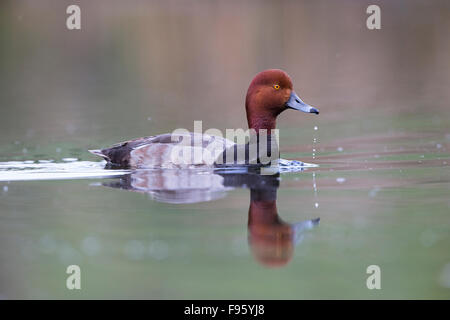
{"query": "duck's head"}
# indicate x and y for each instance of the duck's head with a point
(270, 93)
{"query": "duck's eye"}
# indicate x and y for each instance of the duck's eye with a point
(276, 86)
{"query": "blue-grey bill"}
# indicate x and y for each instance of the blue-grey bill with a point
(296, 103)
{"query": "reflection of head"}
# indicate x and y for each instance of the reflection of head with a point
(272, 241)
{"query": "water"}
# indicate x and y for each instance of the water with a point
(380, 195)
(185, 233)
(70, 168)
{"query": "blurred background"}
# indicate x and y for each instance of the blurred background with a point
(139, 68)
(179, 61)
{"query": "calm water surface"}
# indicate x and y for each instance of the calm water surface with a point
(381, 200)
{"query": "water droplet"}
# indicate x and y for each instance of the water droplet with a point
(315, 128)
(340, 149)
(69, 159)
(58, 150)
(373, 192)
(149, 118)
(95, 184)
(316, 205)
(24, 150)
(340, 180)
(5, 188)
(439, 146)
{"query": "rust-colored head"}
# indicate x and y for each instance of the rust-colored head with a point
(269, 94)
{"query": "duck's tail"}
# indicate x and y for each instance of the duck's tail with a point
(100, 153)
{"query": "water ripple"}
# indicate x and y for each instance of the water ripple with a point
(42, 170)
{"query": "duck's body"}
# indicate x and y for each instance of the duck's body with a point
(269, 94)
(157, 151)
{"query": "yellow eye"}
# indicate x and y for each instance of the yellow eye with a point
(276, 87)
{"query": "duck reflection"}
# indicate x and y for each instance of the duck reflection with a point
(271, 240)
(174, 186)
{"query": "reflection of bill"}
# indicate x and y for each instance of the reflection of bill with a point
(272, 241)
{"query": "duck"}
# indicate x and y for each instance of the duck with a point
(269, 94)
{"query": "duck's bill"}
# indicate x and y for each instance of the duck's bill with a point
(296, 103)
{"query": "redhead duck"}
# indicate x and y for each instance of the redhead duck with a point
(270, 93)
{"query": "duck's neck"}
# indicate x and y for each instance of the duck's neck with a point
(262, 122)
(259, 118)
(263, 207)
